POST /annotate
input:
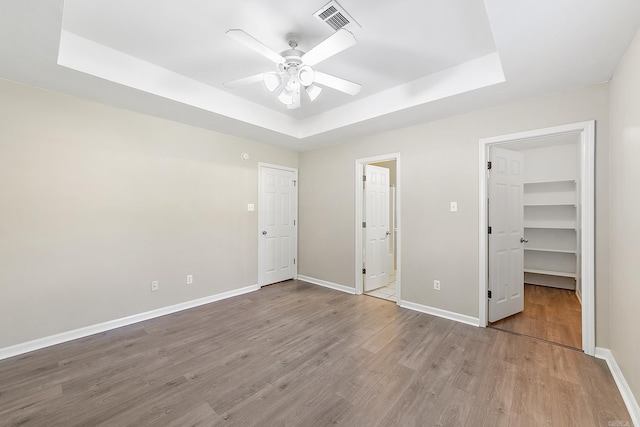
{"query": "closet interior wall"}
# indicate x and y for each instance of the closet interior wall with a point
(551, 213)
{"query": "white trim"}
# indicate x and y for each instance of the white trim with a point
(261, 279)
(627, 395)
(39, 343)
(587, 176)
(462, 318)
(330, 285)
(457, 317)
(271, 165)
(359, 168)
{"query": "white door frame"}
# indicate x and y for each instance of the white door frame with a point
(261, 248)
(359, 218)
(587, 211)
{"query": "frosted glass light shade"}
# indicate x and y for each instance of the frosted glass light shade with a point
(306, 75)
(286, 97)
(272, 81)
(313, 91)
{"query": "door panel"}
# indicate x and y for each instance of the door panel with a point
(506, 218)
(376, 233)
(277, 239)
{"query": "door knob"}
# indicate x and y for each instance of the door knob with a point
(264, 233)
(388, 233)
(523, 240)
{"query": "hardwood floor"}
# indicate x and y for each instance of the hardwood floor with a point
(302, 355)
(549, 314)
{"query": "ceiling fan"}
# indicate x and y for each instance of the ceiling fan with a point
(294, 67)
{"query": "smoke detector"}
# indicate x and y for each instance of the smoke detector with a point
(336, 17)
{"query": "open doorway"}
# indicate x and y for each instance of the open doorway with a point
(378, 227)
(536, 216)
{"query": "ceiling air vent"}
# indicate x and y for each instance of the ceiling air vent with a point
(336, 17)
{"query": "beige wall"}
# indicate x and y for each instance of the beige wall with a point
(97, 202)
(625, 217)
(439, 164)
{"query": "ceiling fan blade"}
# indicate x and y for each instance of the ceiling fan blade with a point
(337, 83)
(255, 45)
(337, 42)
(245, 81)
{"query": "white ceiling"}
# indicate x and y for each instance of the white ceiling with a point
(417, 60)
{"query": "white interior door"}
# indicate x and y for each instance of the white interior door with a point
(506, 219)
(376, 230)
(277, 239)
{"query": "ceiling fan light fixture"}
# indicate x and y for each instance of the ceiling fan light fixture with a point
(313, 91)
(272, 81)
(286, 97)
(294, 68)
(306, 75)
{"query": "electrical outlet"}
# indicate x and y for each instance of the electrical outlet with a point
(155, 286)
(436, 285)
(189, 279)
(454, 207)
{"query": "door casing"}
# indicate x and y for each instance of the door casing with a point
(359, 169)
(587, 213)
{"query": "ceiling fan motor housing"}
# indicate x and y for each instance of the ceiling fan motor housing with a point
(292, 57)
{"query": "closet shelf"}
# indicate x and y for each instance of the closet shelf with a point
(567, 225)
(557, 181)
(559, 251)
(551, 204)
(550, 272)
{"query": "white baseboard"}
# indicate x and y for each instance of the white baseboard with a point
(621, 382)
(462, 318)
(39, 343)
(473, 321)
(330, 285)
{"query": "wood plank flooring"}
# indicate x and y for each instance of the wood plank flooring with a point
(549, 314)
(295, 354)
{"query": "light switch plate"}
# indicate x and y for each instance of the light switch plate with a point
(251, 207)
(454, 206)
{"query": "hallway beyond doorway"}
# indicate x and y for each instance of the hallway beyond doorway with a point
(387, 292)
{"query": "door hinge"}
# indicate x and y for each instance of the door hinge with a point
(489, 230)
(294, 182)
(364, 271)
(364, 177)
(489, 292)
(364, 224)
(489, 165)
(294, 222)
(294, 261)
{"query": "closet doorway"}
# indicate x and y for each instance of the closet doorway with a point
(537, 247)
(377, 227)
